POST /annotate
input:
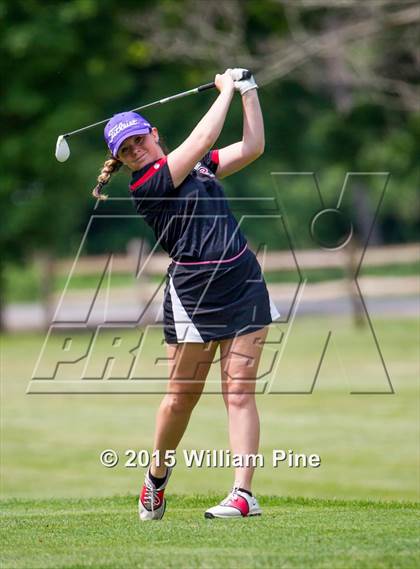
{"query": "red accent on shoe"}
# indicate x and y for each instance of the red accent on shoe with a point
(145, 498)
(240, 504)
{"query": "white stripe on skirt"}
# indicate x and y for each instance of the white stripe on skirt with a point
(273, 310)
(185, 330)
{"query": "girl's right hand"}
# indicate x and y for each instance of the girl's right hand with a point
(224, 82)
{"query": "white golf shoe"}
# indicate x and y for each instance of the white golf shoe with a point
(152, 502)
(237, 504)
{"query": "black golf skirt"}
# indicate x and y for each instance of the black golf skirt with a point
(216, 300)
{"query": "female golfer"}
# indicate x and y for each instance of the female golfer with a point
(215, 294)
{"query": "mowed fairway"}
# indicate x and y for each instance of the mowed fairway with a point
(293, 533)
(62, 508)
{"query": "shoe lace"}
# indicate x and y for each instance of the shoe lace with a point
(151, 496)
(232, 496)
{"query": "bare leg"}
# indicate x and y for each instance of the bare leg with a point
(189, 365)
(240, 358)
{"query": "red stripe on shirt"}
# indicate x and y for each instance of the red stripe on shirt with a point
(148, 174)
(214, 156)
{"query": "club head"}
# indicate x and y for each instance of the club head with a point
(62, 150)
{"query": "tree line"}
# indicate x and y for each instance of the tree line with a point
(339, 88)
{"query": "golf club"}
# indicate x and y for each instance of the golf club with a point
(62, 149)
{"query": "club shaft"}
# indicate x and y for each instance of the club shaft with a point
(159, 102)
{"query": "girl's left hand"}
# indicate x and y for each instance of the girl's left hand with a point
(242, 85)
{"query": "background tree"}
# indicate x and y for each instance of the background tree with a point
(339, 89)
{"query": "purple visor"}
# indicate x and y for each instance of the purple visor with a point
(122, 126)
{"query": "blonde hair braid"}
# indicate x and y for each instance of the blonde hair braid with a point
(110, 166)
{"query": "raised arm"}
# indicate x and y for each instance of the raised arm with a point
(236, 156)
(183, 159)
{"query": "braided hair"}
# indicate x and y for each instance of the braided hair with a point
(110, 166)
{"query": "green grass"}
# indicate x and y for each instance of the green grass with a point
(319, 275)
(368, 443)
(63, 509)
(292, 533)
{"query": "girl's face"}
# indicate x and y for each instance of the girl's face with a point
(141, 149)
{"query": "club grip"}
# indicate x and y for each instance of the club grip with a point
(245, 75)
(206, 86)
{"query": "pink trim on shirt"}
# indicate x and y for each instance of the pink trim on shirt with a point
(209, 262)
(214, 156)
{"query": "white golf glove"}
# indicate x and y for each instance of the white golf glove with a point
(242, 85)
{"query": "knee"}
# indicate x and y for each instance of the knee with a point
(180, 403)
(239, 400)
